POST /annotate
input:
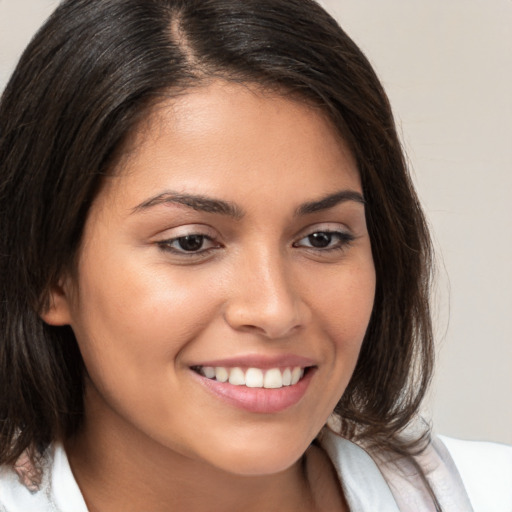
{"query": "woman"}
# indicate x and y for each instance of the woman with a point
(211, 249)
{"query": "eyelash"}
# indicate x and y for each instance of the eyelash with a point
(343, 238)
(166, 245)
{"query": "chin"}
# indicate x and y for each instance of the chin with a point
(258, 459)
(260, 466)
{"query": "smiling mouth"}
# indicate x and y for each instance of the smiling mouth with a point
(272, 378)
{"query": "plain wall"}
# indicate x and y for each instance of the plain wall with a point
(447, 67)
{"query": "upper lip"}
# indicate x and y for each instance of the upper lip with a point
(259, 361)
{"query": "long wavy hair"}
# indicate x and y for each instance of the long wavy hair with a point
(89, 76)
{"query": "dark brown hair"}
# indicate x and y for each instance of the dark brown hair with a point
(87, 78)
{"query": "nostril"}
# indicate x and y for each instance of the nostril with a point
(264, 298)
(268, 321)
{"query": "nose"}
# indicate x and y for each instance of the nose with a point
(264, 299)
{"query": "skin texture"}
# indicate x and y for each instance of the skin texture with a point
(143, 313)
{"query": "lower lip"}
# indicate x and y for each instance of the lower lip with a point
(259, 400)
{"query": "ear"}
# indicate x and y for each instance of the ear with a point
(58, 312)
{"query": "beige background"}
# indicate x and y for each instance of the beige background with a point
(447, 67)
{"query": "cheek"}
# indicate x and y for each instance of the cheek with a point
(346, 303)
(132, 323)
(343, 313)
(132, 299)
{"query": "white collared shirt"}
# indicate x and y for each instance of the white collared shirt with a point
(485, 470)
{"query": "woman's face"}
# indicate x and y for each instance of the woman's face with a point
(230, 243)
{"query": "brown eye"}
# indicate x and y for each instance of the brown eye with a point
(320, 239)
(191, 243)
(325, 240)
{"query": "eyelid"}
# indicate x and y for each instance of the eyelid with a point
(167, 245)
(324, 227)
(345, 236)
(165, 240)
(186, 230)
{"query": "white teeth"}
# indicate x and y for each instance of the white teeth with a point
(209, 371)
(221, 374)
(272, 378)
(297, 373)
(254, 378)
(236, 377)
(287, 377)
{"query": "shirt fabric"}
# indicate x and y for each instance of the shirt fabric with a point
(457, 476)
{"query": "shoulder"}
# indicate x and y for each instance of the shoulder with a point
(486, 472)
(451, 474)
(54, 488)
(360, 478)
(15, 496)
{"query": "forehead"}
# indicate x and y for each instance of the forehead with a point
(228, 138)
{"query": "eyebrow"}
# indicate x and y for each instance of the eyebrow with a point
(329, 201)
(197, 202)
(218, 206)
